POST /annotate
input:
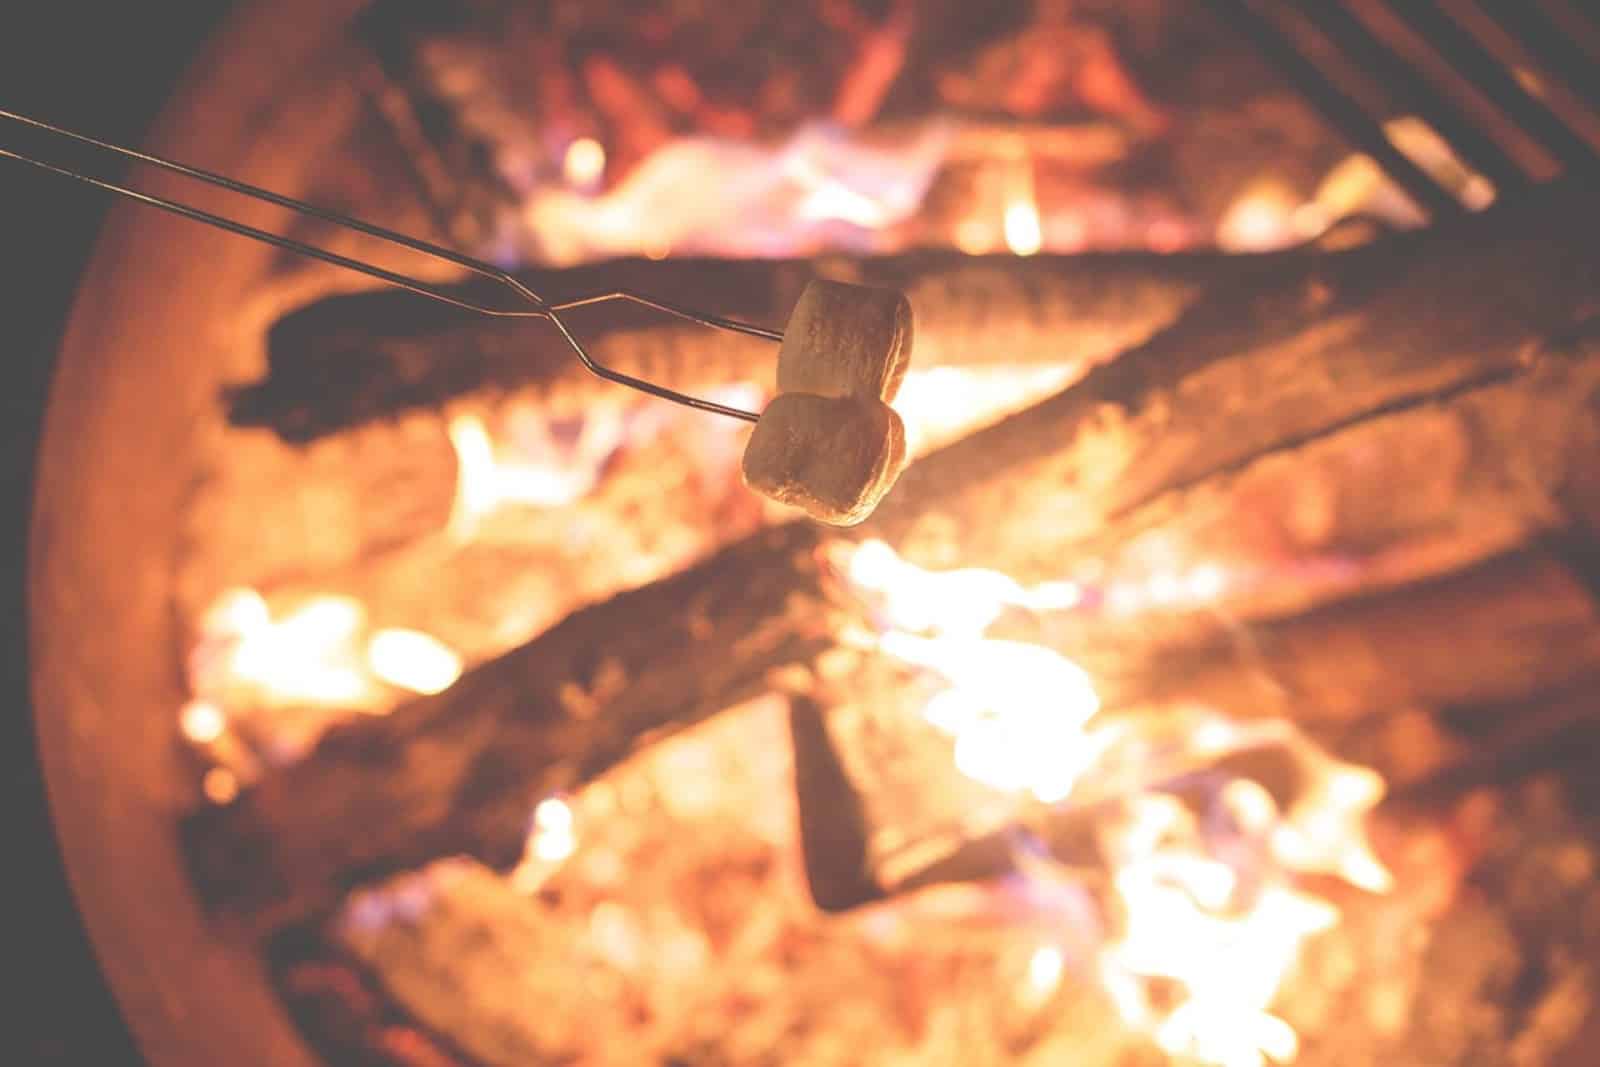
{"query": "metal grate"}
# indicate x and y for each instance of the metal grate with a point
(1475, 86)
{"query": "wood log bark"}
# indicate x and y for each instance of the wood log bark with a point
(1231, 388)
(351, 359)
(460, 771)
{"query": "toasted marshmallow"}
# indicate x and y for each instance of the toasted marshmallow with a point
(834, 457)
(846, 340)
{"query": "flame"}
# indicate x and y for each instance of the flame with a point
(317, 655)
(940, 404)
(1209, 920)
(486, 482)
(584, 162)
(1189, 920)
(826, 197)
(410, 659)
(532, 467)
(788, 197)
(1023, 230)
(220, 785)
(1045, 969)
(201, 721)
(552, 838)
(1022, 227)
(306, 656)
(1266, 216)
(1357, 185)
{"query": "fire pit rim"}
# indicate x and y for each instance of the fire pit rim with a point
(116, 451)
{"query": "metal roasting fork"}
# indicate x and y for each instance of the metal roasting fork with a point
(1361, 42)
(1505, 53)
(535, 305)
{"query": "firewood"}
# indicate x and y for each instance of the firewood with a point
(353, 359)
(844, 340)
(1251, 371)
(1237, 382)
(833, 826)
(459, 772)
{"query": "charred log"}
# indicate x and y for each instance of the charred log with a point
(351, 359)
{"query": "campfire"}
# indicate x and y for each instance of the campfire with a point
(1196, 697)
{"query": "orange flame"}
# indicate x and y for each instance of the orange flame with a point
(306, 656)
(1223, 925)
(535, 471)
(317, 655)
(1023, 229)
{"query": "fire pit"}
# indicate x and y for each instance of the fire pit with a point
(1200, 694)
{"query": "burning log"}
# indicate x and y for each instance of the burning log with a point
(1254, 370)
(460, 771)
(349, 360)
(1497, 633)
(1382, 334)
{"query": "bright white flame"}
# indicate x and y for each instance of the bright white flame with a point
(237, 611)
(305, 656)
(1015, 710)
(413, 660)
(1024, 234)
(976, 237)
(584, 162)
(1045, 968)
(1357, 185)
(829, 198)
(1263, 217)
(317, 655)
(940, 404)
(1209, 904)
(532, 469)
(220, 785)
(201, 721)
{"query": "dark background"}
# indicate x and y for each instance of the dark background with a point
(105, 68)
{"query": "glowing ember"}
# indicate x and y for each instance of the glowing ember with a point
(552, 838)
(307, 656)
(535, 470)
(790, 197)
(201, 721)
(266, 683)
(584, 162)
(220, 785)
(940, 404)
(1024, 234)
(1266, 216)
(1357, 185)
(413, 660)
(1203, 920)
(1045, 968)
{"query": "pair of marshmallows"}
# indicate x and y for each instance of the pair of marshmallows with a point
(829, 443)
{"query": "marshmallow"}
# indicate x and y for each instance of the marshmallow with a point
(846, 340)
(833, 457)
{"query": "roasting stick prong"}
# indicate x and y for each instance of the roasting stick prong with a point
(537, 307)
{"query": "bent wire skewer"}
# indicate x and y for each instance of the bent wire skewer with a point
(537, 306)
